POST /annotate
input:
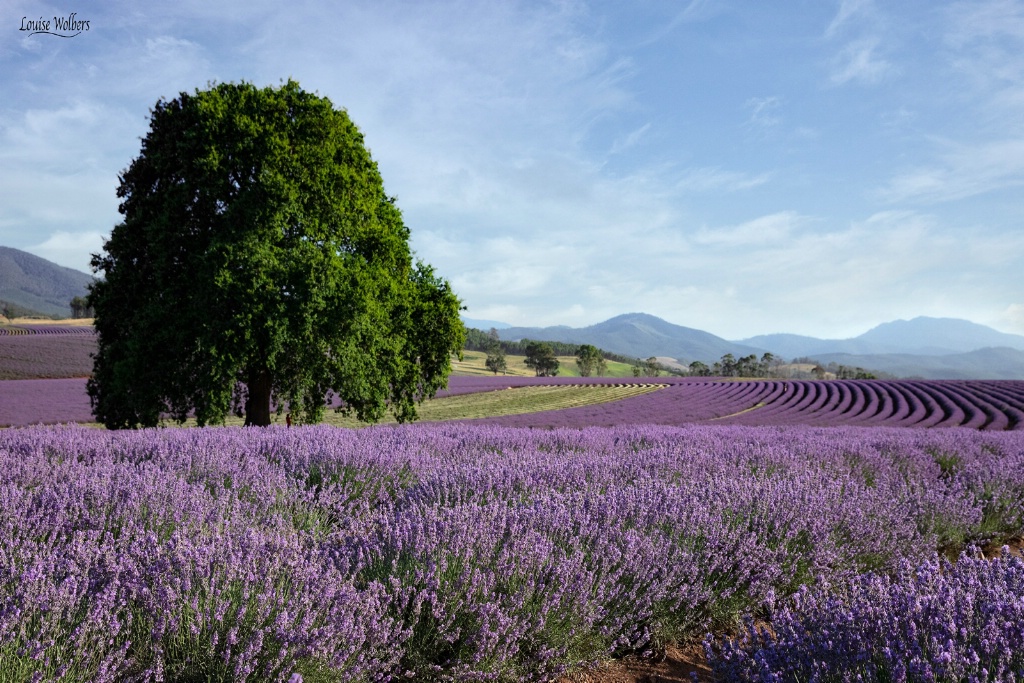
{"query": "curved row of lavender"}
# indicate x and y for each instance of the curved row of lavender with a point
(982, 404)
(452, 552)
(46, 329)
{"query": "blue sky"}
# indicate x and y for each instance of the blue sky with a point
(743, 167)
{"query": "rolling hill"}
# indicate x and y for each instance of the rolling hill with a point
(639, 335)
(919, 336)
(34, 283)
(931, 348)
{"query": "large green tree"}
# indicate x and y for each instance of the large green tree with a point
(260, 265)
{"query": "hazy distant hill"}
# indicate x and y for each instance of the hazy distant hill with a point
(35, 283)
(923, 335)
(484, 325)
(990, 363)
(639, 335)
(933, 348)
(920, 336)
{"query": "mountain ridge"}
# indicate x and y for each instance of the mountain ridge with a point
(930, 348)
(933, 348)
(32, 282)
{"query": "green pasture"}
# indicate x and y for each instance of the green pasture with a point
(511, 401)
(473, 363)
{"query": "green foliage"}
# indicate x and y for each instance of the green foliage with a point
(260, 262)
(590, 361)
(80, 307)
(540, 358)
(647, 368)
(11, 311)
(495, 355)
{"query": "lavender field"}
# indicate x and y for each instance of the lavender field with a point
(994, 405)
(455, 552)
(45, 351)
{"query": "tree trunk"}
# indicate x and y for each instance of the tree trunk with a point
(257, 406)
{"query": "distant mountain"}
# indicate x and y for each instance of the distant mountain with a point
(639, 335)
(35, 283)
(795, 345)
(929, 335)
(932, 348)
(484, 325)
(920, 336)
(990, 363)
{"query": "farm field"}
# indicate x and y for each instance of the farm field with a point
(642, 515)
(46, 350)
(468, 552)
(547, 402)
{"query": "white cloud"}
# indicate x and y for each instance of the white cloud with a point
(69, 249)
(1013, 318)
(859, 62)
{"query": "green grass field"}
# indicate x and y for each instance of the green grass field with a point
(512, 401)
(472, 363)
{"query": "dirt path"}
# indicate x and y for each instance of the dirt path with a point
(677, 665)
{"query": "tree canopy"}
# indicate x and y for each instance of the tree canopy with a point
(496, 361)
(590, 361)
(540, 357)
(260, 265)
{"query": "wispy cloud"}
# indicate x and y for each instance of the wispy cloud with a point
(859, 61)
(630, 140)
(962, 171)
(764, 111)
(774, 229)
(848, 11)
(716, 179)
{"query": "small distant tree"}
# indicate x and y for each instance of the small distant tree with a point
(80, 307)
(540, 358)
(590, 361)
(495, 354)
(699, 369)
(647, 368)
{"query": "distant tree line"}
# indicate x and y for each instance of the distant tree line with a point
(770, 365)
(542, 356)
(11, 311)
(746, 366)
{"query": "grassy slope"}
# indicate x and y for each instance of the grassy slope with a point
(489, 403)
(473, 364)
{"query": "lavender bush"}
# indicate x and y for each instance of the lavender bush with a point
(452, 552)
(932, 622)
